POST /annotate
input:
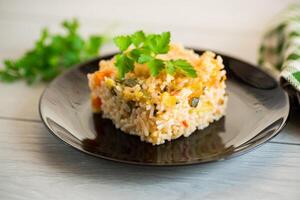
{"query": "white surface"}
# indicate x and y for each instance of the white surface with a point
(35, 165)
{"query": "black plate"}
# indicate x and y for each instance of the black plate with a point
(257, 111)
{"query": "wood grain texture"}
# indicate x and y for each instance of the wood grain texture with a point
(36, 165)
(291, 132)
(20, 101)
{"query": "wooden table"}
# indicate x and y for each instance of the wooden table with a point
(36, 165)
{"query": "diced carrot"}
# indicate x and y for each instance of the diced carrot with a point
(175, 92)
(96, 103)
(185, 124)
(99, 76)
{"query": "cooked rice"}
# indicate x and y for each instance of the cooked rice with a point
(165, 107)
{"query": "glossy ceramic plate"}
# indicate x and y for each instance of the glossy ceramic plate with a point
(257, 111)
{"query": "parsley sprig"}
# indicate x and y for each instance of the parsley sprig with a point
(52, 54)
(145, 49)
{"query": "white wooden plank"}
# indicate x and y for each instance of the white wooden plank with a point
(246, 15)
(18, 100)
(291, 133)
(239, 43)
(36, 165)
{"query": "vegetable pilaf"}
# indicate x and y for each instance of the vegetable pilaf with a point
(163, 106)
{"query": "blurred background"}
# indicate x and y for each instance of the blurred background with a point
(233, 27)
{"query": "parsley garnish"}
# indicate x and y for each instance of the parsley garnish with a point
(144, 50)
(52, 54)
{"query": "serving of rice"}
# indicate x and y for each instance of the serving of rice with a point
(165, 107)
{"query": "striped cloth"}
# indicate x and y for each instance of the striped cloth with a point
(280, 48)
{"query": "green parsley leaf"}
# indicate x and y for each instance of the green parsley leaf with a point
(158, 43)
(155, 66)
(71, 26)
(92, 45)
(137, 38)
(163, 42)
(144, 58)
(122, 42)
(147, 47)
(52, 54)
(150, 43)
(185, 67)
(170, 68)
(135, 54)
(124, 65)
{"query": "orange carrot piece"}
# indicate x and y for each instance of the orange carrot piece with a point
(185, 124)
(99, 76)
(96, 103)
